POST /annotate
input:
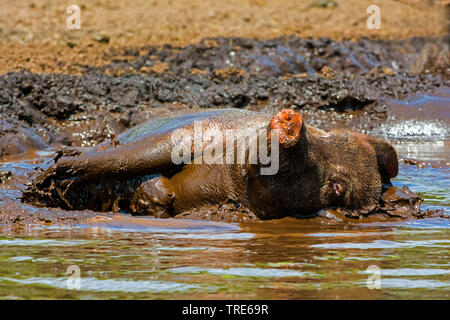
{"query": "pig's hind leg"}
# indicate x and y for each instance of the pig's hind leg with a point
(153, 197)
(148, 156)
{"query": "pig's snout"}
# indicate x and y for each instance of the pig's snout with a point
(289, 124)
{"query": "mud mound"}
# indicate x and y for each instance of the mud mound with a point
(286, 55)
(41, 110)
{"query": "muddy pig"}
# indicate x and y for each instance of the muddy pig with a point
(275, 165)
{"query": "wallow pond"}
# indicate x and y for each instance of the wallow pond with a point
(137, 257)
(44, 251)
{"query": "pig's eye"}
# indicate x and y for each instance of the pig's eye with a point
(338, 189)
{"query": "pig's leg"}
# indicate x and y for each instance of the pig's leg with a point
(153, 197)
(193, 186)
(148, 156)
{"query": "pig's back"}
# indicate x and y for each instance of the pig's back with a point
(221, 118)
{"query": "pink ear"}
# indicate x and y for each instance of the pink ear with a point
(289, 124)
(386, 156)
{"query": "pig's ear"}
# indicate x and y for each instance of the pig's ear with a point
(386, 156)
(288, 124)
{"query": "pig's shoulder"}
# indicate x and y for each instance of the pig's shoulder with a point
(221, 118)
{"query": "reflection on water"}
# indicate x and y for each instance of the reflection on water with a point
(425, 151)
(286, 258)
(98, 285)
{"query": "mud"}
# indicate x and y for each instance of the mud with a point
(423, 164)
(42, 110)
(34, 35)
(286, 55)
(358, 84)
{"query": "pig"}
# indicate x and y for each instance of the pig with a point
(298, 169)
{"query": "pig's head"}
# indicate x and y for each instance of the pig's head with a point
(319, 169)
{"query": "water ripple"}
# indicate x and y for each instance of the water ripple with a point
(110, 285)
(243, 272)
(383, 244)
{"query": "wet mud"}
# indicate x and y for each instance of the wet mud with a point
(48, 110)
(360, 85)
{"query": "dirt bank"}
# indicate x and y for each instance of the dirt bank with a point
(34, 35)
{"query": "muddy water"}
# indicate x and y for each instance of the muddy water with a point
(126, 257)
(285, 259)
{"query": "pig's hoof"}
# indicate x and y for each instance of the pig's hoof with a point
(153, 197)
(288, 125)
